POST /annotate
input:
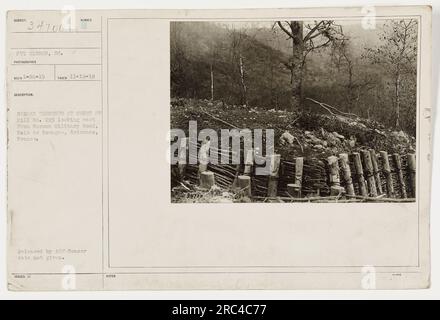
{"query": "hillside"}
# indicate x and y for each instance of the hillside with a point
(312, 134)
(247, 64)
(195, 49)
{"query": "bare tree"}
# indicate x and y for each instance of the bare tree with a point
(355, 86)
(305, 38)
(237, 60)
(343, 60)
(398, 54)
(214, 53)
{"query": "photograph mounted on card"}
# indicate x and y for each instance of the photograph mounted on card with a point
(219, 149)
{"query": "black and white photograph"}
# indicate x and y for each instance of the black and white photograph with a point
(294, 111)
(238, 152)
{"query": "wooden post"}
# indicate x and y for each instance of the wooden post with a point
(204, 156)
(335, 181)
(244, 184)
(182, 157)
(376, 171)
(334, 171)
(360, 174)
(299, 166)
(411, 159)
(248, 162)
(347, 174)
(387, 171)
(237, 173)
(369, 173)
(272, 186)
(337, 191)
(294, 189)
(398, 164)
(207, 179)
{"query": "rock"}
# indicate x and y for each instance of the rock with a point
(351, 143)
(288, 138)
(400, 136)
(332, 140)
(337, 135)
(226, 194)
(316, 140)
(312, 138)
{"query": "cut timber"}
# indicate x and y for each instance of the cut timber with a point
(366, 156)
(274, 168)
(182, 157)
(412, 172)
(207, 179)
(376, 171)
(272, 186)
(248, 162)
(237, 173)
(244, 184)
(204, 156)
(334, 171)
(360, 174)
(343, 157)
(398, 164)
(387, 173)
(335, 181)
(299, 166)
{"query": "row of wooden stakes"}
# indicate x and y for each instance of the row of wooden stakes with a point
(367, 175)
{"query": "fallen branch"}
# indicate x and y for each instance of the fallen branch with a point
(339, 111)
(321, 105)
(297, 140)
(298, 199)
(329, 108)
(185, 187)
(381, 198)
(218, 119)
(336, 198)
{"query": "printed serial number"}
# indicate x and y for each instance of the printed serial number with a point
(220, 310)
(250, 309)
